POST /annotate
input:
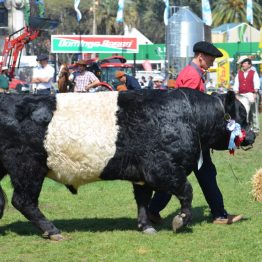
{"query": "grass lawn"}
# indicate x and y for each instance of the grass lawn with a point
(100, 222)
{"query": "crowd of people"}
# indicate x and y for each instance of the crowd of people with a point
(246, 83)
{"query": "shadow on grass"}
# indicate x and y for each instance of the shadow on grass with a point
(72, 225)
(103, 224)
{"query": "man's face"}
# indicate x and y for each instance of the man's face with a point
(245, 66)
(206, 61)
(81, 68)
(43, 63)
(122, 79)
(158, 83)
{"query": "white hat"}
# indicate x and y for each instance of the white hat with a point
(158, 78)
(4, 68)
(241, 58)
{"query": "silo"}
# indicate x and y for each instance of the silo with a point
(183, 31)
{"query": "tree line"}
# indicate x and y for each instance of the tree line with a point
(146, 16)
(99, 16)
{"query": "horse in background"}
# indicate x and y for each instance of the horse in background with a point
(63, 82)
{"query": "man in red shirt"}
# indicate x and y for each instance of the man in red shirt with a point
(193, 76)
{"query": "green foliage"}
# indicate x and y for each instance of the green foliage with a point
(100, 222)
(232, 11)
(146, 16)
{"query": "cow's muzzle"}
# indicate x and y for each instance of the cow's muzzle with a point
(249, 140)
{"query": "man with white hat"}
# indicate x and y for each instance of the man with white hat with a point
(247, 85)
(4, 80)
(158, 82)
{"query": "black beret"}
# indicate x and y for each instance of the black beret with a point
(42, 57)
(207, 48)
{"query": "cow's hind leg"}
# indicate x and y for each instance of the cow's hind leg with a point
(185, 196)
(27, 178)
(174, 181)
(142, 196)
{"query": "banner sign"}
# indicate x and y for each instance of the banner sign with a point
(260, 41)
(93, 44)
(223, 69)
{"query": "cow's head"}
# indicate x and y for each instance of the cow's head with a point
(235, 112)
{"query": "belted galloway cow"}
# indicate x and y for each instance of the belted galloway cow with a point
(152, 138)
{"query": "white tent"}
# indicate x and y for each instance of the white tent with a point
(133, 32)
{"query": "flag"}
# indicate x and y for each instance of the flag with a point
(147, 65)
(250, 11)
(120, 12)
(241, 32)
(78, 13)
(166, 12)
(206, 12)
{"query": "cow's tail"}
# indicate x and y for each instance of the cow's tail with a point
(3, 201)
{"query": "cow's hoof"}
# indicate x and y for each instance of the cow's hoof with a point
(149, 231)
(57, 237)
(177, 223)
(54, 237)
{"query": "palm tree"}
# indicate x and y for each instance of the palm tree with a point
(133, 13)
(106, 12)
(234, 11)
(149, 19)
(106, 16)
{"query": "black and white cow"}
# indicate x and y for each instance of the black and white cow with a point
(152, 138)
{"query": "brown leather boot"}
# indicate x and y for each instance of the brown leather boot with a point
(227, 221)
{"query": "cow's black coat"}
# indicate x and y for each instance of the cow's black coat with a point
(171, 127)
(161, 134)
(160, 137)
(23, 124)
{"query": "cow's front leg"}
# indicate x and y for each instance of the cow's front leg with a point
(185, 196)
(27, 179)
(29, 208)
(142, 196)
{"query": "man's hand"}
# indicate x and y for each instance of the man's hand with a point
(94, 84)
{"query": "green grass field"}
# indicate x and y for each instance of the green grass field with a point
(100, 222)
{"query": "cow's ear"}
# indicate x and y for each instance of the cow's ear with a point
(230, 103)
(230, 97)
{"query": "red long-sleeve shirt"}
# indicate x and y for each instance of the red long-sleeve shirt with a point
(189, 77)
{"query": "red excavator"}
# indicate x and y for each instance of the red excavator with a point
(15, 43)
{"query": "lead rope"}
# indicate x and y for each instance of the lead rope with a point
(227, 117)
(233, 172)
